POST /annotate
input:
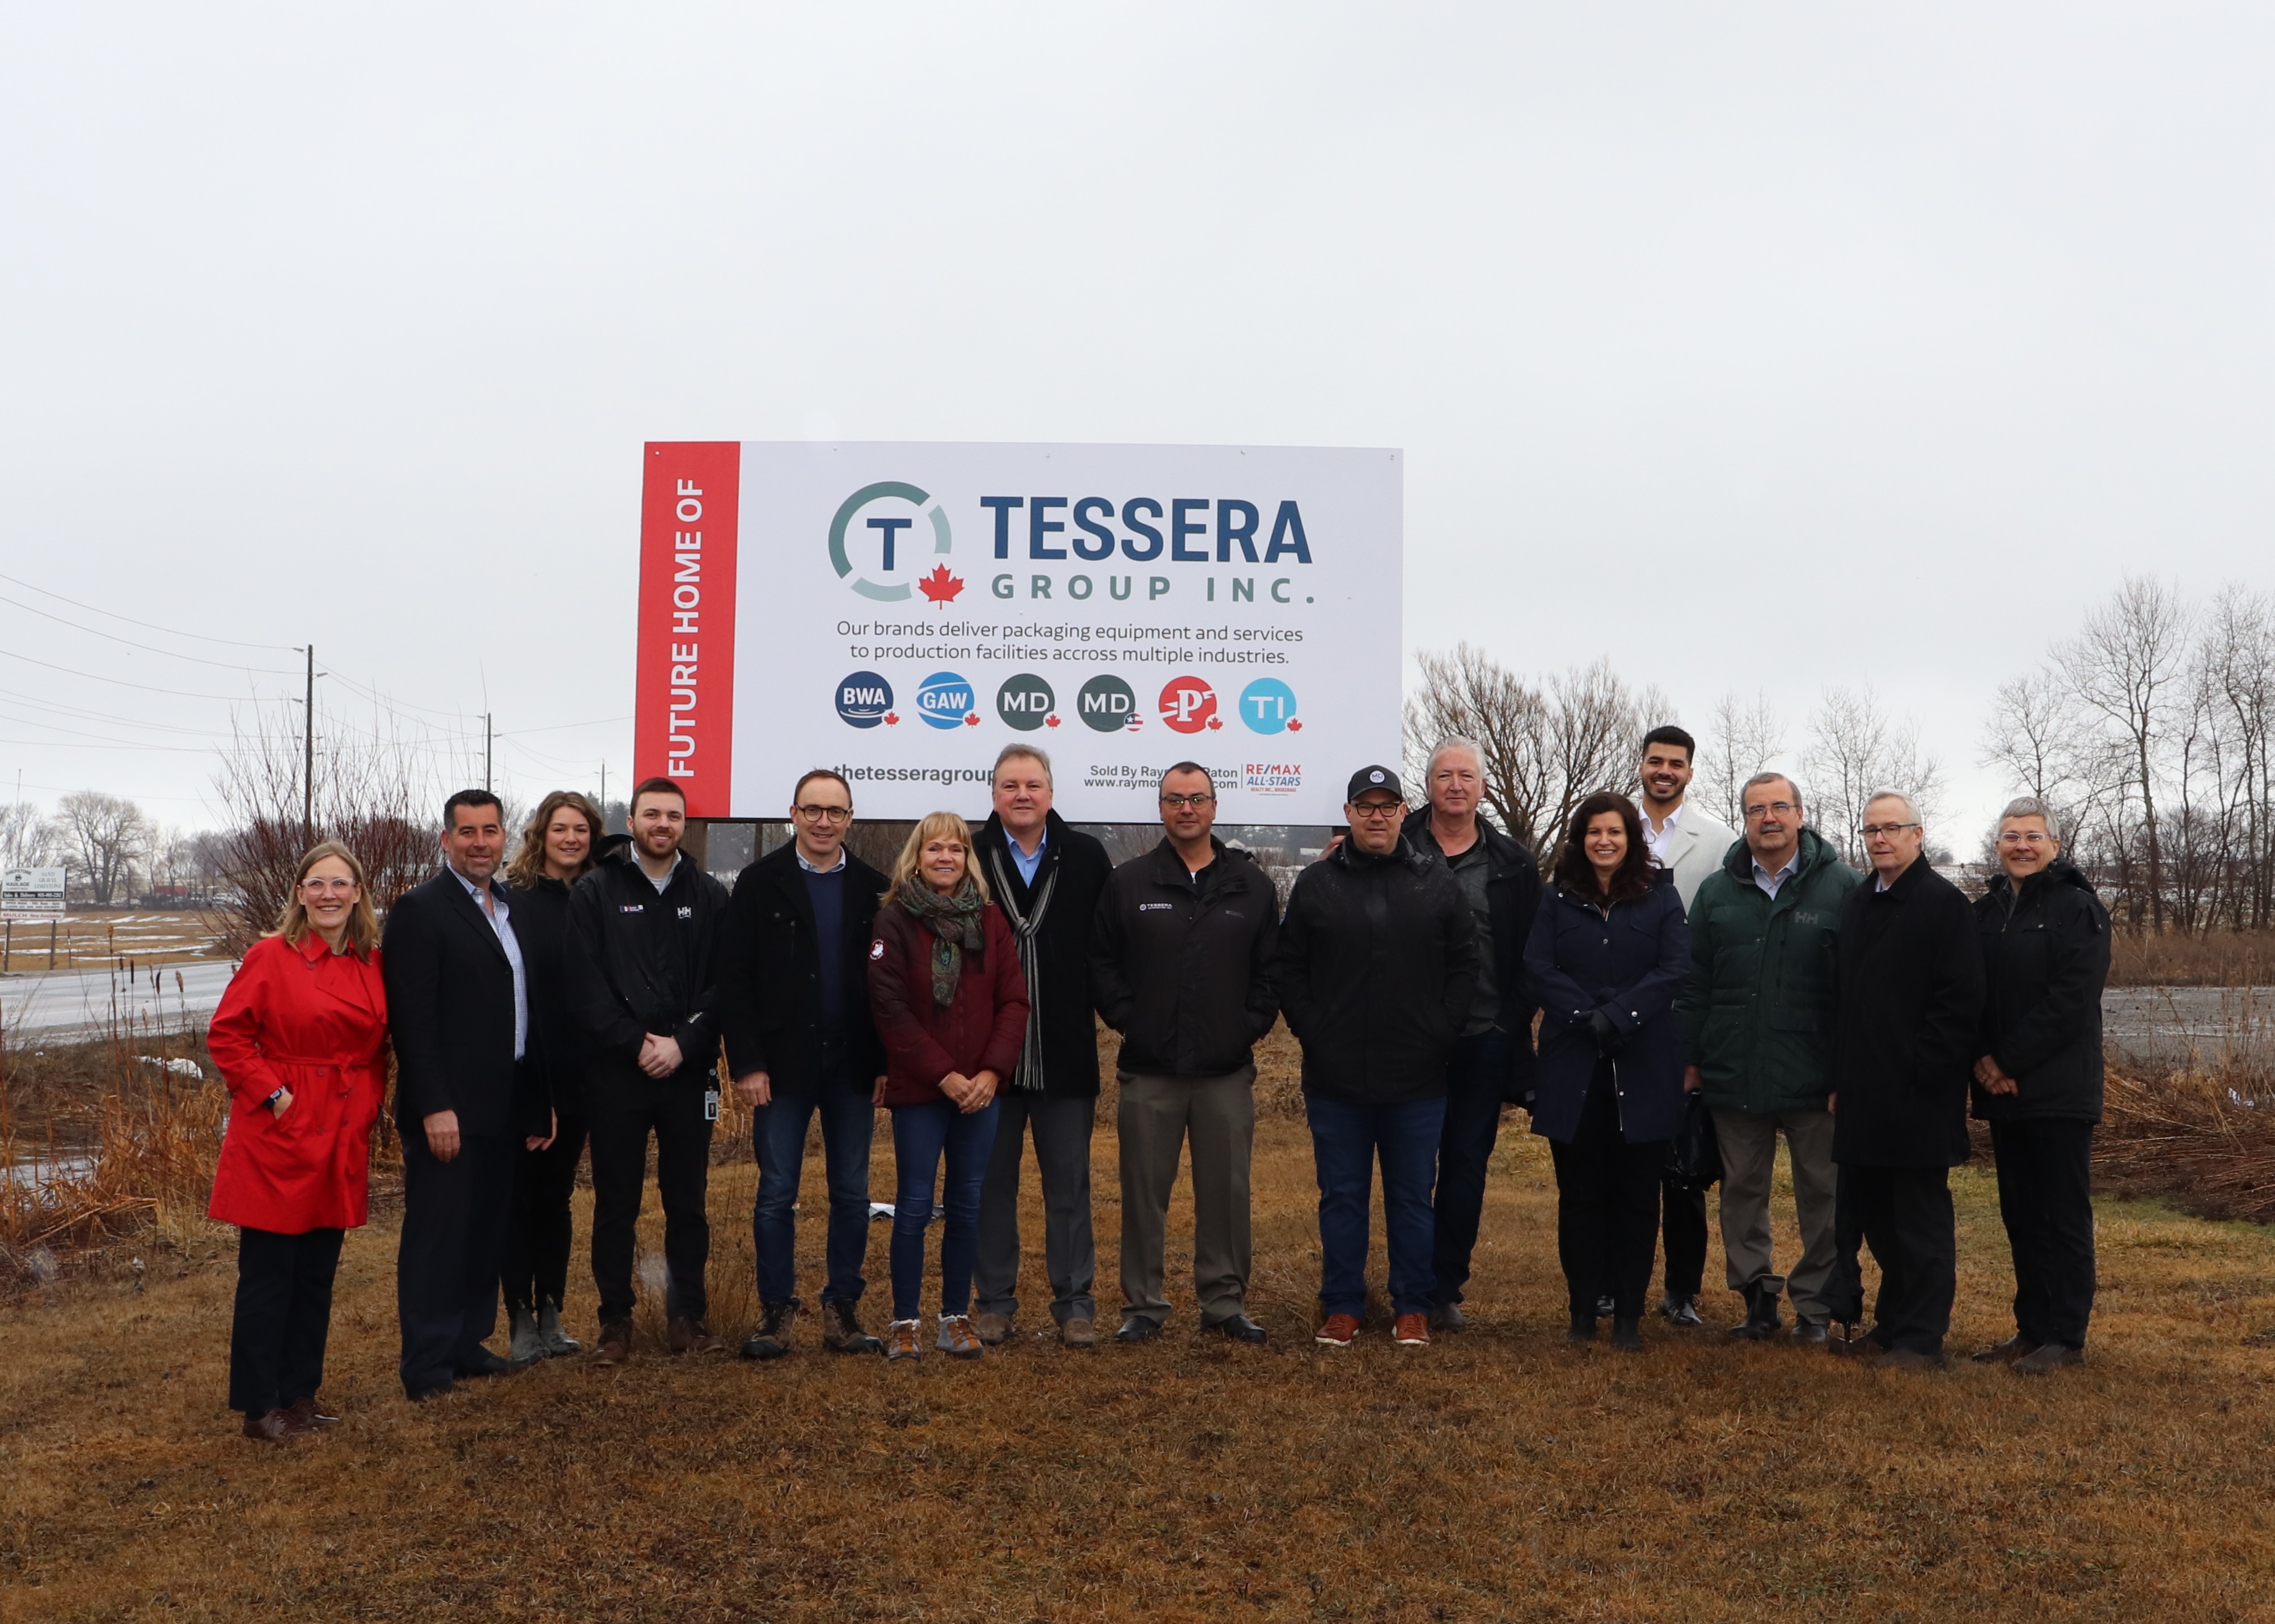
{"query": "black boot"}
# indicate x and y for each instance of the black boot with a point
(1583, 1326)
(1627, 1335)
(1762, 1320)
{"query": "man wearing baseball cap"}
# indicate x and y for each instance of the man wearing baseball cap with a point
(1378, 970)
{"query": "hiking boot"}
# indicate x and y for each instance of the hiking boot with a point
(1762, 1321)
(1079, 1334)
(1448, 1316)
(523, 1345)
(1680, 1312)
(2047, 1356)
(616, 1344)
(775, 1319)
(956, 1339)
(1627, 1335)
(1811, 1332)
(1336, 1330)
(270, 1426)
(841, 1332)
(901, 1340)
(688, 1335)
(1410, 1331)
(1910, 1359)
(308, 1416)
(992, 1330)
(2014, 1348)
(557, 1341)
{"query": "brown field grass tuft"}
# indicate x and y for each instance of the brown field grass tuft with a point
(1496, 1475)
(2187, 958)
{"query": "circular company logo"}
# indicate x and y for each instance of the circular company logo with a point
(881, 543)
(1188, 704)
(1106, 704)
(1026, 702)
(945, 700)
(1268, 706)
(863, 700)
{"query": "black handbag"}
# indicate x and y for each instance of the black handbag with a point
(1695, 1160)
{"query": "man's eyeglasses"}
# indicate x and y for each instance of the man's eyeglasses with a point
(1376, 812)
(1783, 808)
(1871, 830)
(1176, 802)
(826, 814)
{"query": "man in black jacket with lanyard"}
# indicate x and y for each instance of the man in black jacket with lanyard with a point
(1492, 1064)
(794, 1004)
(641, 970)
(1911, 991)
(1045, 877)
(458, 1007)
(1181, 966)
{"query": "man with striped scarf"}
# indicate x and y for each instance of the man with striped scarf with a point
(1046, 876)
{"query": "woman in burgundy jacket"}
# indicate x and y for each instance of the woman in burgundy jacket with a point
(301, 1038)
(951, 1006)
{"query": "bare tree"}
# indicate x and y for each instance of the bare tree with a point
(25, 838)
(103, 836)
(1742, 738)
(1855, 750)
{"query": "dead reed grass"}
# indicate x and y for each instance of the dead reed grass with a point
(2177, 958)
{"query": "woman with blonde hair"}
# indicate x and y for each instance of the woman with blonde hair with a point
(557, 849)
(951, 1007)
(301, 1038)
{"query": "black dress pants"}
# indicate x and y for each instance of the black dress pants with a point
(1474, 1085)
(283, 1314)
(623, 1106)
(2046, 1196)
(1904, 1215)
(536, 1269)
(446, 1269)
(1685, 1226)
(1606, 1206)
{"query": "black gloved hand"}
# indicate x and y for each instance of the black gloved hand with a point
(1609, 1039)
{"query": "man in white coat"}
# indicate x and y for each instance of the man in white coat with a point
(1690, 845)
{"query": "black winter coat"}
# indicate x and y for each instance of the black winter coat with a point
(2046, 957)
(540, 925)
(642, 963)
(1909, 979)
(1512, 899)
(1074, 869)
(770, 975)
(1627, 966)
(1378, 970)
(1184, 974)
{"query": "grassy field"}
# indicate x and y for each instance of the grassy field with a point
(1498, 1475)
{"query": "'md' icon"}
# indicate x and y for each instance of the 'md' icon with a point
(1025, 702)
(862, 698)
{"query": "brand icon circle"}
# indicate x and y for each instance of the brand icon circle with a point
(881, 542)
(863, 700)
(1268, 705)
(1106, 704)
(1025, 702)
(946, 700)
(1188, 705)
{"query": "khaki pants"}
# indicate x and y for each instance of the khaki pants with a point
(1156, 1116)
(1748, 1141)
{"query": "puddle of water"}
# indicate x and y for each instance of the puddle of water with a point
(27, 1171)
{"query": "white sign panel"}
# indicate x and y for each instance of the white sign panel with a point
(901, 612)
(32, 896)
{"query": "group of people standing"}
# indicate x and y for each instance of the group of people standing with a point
(582, 997)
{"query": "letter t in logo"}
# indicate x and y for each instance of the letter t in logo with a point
(888, 526)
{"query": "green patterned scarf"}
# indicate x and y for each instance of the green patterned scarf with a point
(955, 922)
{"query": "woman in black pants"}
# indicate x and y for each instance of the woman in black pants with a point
(1607, 952)
(557, 849)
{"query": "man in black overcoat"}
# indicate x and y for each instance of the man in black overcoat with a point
(457, 1009)
(1911, 991)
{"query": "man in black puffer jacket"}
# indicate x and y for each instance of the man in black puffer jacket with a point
(2037, 1080)
(1378, 973)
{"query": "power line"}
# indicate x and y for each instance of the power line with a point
(150, 648)
(147, 625)
(229, 698)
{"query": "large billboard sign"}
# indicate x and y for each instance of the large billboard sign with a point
(901, 612)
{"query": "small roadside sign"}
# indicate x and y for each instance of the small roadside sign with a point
(32, 896)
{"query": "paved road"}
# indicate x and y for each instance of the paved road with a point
(2163, 1023)
(60, 1006)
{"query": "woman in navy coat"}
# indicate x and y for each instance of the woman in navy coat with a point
(1608, 949)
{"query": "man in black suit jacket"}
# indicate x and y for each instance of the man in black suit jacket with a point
(457, 1006)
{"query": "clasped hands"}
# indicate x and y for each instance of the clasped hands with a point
(971, 1093)
(1993, 1080)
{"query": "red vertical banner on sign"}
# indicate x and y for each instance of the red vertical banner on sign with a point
(684, 705)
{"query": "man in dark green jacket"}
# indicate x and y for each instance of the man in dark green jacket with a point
(1758, 1012)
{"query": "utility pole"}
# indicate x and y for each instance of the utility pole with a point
(604, 789)
(486, 750)
(309, 757)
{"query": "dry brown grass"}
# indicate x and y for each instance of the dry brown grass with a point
(1497, 1475)
(2216, 958)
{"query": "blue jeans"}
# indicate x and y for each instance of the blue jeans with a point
(778, 1141)
(920, 1135)
(1346, 1141)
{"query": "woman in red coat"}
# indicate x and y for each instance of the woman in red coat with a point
(951, 1006)
(301, 1038)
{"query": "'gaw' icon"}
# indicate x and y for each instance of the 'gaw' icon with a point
(1188, 704)
(1268, 705)
(862, 698)
(1026, 702)
(1107, 703)
(945, 700)
(890, 581)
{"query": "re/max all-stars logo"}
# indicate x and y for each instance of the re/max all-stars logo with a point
(1026, 702)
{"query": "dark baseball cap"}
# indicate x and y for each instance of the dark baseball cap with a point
(1373, 778)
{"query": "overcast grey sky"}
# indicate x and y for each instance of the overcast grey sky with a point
(1772, 346)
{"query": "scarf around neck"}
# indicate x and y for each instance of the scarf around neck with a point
(954, 920)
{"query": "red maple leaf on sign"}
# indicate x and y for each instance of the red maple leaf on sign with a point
(1214, 721)
(970, 718)
(940, 586)
(891, 721)
(1050, 721)
(1294, 727)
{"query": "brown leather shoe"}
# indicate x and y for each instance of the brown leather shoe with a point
(616, 1344)
(308, 1415)
(1410, 1331)
(2007, 1352)
(841, 1332)
(270, 1426)
(1079, 1334)
(993, 1329)
(2048, 1357)
(1337, 1331)
(685, 1335)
